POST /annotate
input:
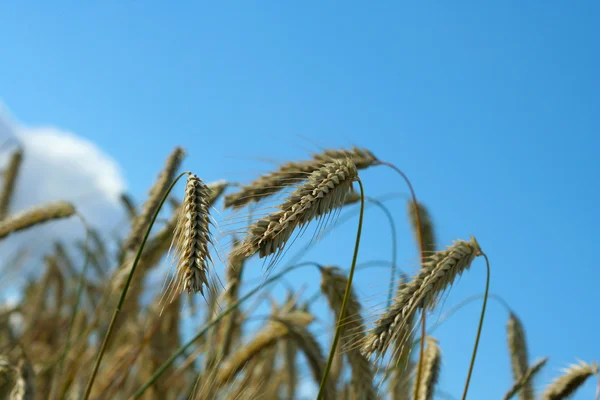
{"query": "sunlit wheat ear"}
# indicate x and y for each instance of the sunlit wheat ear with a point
(333, 286)
(519, 359)
(526, 379)
(436, 275)
(192, 237)
(401, 362)
(10, 178)
(570, 381)
(431, 369)
(427, 231)
(292, 173)
(362, 158)
(324, 191)
(35, 216)
(165, 178)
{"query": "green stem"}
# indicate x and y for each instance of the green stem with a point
(124, 291)
(54, 390)
(340, 323)
(183, 348)
(485, 298)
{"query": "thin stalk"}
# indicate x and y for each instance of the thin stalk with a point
(342, 316)
(422, 251)
(390, 218)
(54, 389)
(485, 298)
(124, 291)
(216, 320)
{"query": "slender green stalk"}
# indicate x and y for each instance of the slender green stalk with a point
(212, 323)
(124, 291)
(485, 298)
(342, 316)
(393, 268)
(54, 389)
(422, 251)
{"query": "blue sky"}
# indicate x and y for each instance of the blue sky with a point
(491, 108)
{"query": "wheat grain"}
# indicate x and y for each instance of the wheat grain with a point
(436, 274)
(325, 190)
(570, 381)
(35, 216)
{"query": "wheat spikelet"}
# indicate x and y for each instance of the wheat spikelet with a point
(570, 381)
(263, 340)
(165, 178)
(292, 173)
(526, 379)
(325, 190)
(436, 274)
(36, 215)
(10, 178)
(333, 286)
(519, 359)
(192, 237)
(431, 369)
(427, 231)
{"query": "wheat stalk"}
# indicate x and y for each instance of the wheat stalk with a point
(10, 178)
(192, 237)
(157, 191)
(324, 191)
(572, 378)
(431, 369)
(519, 359)
(35, 216)
(333, 286)
(436, 274)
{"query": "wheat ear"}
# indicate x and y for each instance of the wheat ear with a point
(263, 340)
(157, 191)
(35, 216)
(427, 230)
(292, 173)
(435, 276)
(10, 178)
(192, 237)
(324, 191)
(431, 369)
(570, 381)
(333, 286)
(519, 359)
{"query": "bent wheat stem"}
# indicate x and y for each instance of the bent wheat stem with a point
(483, 307)
(340, 323)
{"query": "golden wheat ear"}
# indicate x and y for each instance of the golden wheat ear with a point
(436, 275)
(324, 191)
(192, 238)
(431, 369)
(572, 379)
(35, 216)
(519, 358)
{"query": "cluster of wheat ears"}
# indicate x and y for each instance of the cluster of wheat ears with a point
(81, 332)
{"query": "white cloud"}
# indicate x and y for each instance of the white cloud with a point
(59, 165)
